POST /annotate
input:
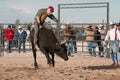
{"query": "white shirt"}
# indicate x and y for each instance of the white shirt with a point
(20, 31)
(111, 35)
(102, 32)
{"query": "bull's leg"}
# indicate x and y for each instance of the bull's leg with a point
(53, 61)
(48, 59)
(35, 61)
(47, 56)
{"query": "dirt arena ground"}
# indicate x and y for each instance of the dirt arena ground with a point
(15, 66)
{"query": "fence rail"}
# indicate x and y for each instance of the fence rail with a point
(81, 44)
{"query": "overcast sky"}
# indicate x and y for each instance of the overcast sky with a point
(25, 10)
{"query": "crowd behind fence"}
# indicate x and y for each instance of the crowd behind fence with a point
(81, 44)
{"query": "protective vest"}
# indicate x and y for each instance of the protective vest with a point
(90, 35)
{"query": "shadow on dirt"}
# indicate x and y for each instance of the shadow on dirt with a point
(102, 67)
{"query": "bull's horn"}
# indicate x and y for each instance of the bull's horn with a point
(57, 44)
(63, 42)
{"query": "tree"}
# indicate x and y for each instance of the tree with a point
(17, 22)
(27, 25)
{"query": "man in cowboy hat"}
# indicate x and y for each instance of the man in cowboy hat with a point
(90, 37)
(113, 38)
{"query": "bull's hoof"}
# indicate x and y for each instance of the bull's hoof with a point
(50, 65)
(36, 67)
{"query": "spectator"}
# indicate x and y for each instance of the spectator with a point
(98, 41)
(68, 39)
(21, 36)
(0, 41)
(14, 41)
(90, 40)
(105, 43)
(9, 34)
(102, 32)
(118, 54)
(113, 36)
(74, 31)
(28, 34)
(68, 44)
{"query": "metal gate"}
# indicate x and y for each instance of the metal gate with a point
(80, 39)
(81, 43)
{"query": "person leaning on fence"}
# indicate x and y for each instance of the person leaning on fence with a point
(9, 34)
(113, 36)
(102, 32)
(0, 41)
(67, 39)
(28, 33)
(40, 17)
(74, 34)
(98, 41)
(90, 36)
(14, 41)
(21, 36)
(118, 54)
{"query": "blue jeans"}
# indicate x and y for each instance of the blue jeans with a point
(69, 45)
(114, 46)
(9, 42)
(100, 47)
(21, 44)
(74, 46)
(91, 47)
(114, 57)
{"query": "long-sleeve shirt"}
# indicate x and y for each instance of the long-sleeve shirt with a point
(111, 34)
(9, 34)
(97, 35)
(102, 32)
(21, 35)
(42, 15)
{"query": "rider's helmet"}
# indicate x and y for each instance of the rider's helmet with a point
(51, 8)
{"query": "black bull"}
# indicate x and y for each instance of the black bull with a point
(49, 45)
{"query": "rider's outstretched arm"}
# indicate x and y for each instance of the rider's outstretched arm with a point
(53, 18)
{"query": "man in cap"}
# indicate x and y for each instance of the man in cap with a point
(9, 34)
(40, 17)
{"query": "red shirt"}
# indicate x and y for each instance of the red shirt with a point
(9, 34)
